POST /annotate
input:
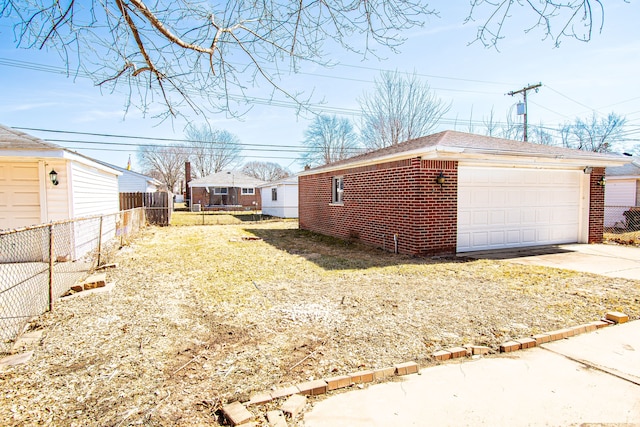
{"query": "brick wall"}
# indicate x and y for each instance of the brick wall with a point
(596, 206)
(381, 201)
(201, 196)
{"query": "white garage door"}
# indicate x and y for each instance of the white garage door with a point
(19, 195)
(507, 208)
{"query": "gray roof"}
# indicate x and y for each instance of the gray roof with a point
(226, 179)
(631, 169)
(466, 144)
(11, 139)
(290, 180)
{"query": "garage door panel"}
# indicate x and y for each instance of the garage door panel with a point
(20, 195)
(513, 207)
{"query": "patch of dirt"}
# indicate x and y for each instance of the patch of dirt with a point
(202, 316)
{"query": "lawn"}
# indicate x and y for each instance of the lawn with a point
(202, 316)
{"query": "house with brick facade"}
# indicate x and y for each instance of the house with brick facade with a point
(456, 192)
(226, 190)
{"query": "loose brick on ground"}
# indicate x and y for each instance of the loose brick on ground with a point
(362, 377)
(509, 346)
(441, 355)
(313, 388)
(236, 413)
(379, 374)
(341, 381)
(557, 335)
(479, 349)
(406, 368)
(457, 352)
(259, 399)
(526, 342)
(617, 317)
(599, 324)
(542, 338)
(284, 392)
(98, 280)
(294, 405)
(276, 419)
(590, 327)
(578, 330)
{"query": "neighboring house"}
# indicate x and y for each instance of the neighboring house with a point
(280, 198)
(621, 192)
(134, 182)
(457, 192)
(30, 193)
(224, 190)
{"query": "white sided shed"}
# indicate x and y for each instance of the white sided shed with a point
(28, 196)
(280, 198)
(621, 192)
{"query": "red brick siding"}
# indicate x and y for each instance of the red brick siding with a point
(398, 198)
(201, 196)
(596, 206)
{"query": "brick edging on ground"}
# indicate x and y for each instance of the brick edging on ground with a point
(237, 414)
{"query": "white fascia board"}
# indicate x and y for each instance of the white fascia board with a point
(35, 155)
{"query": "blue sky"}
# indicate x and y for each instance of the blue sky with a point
(578, 78)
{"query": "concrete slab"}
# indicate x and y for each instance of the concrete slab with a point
(615, 350)
(532, 387)
(606, 260)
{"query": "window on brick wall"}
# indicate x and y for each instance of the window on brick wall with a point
(248, 191)
(220, 191)
(337, 189)
(274, 194)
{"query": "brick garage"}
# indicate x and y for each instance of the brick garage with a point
(391, 199)
(226, 190)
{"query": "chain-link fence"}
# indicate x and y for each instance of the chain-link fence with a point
(39, 264)
(622, 218)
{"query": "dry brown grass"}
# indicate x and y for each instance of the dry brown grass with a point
(201, 316)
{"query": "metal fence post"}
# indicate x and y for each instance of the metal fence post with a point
(51, 255)
(100, 242)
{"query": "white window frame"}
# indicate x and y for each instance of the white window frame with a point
(337, 190)
(220, 191)
(248, 191)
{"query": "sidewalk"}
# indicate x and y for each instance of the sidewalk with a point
(588, 379)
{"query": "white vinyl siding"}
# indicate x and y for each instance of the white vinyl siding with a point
(619, 194)
(132, 183)
(517, 207)
(95, 192)
(19, 195)
(286, 203)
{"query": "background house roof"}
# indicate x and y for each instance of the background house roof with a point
(226, 179)
(455, 145)
(632, 170)
(126, 171)
(291, 180)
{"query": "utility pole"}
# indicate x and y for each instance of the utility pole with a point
(524, 91)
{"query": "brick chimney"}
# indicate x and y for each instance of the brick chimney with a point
(187, 180)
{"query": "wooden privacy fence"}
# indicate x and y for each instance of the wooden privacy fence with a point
(158, 206)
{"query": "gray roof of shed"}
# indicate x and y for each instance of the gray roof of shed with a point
(632, 169)
(467, 143)
(11, 139)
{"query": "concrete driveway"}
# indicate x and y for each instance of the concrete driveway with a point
(606, 260)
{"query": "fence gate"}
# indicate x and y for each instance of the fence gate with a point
(158, 206)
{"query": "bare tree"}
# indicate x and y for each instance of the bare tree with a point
(211, 150)
(329, 139)
(175, 49)
(556, 19)
(492, 128)
(401, 107)
(598, 135)
(169, 51)
(166, 163)
(539, 135)
(265, 171)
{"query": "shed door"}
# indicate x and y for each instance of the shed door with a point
(514, 207)
(19, 195)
